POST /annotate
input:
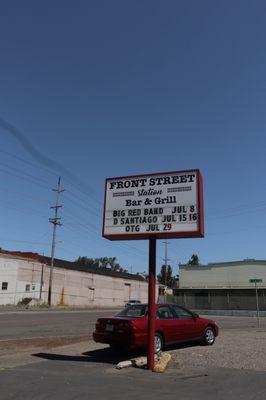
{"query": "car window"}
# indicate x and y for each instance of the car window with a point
(182, 313)
(135, 310)
(164, 312)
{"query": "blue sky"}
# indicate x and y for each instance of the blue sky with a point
(110, 88)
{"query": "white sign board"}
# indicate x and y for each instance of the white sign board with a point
(165, 205)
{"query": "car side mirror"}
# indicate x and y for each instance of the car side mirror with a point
(195, 315)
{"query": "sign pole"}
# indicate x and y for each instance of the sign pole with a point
(257, 304)
(256, 281)
(151, 305)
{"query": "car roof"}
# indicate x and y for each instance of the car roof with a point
(163, 304)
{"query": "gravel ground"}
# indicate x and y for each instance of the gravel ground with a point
(232, 349)
(237, 349)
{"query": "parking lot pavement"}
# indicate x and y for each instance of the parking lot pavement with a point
(225, 370)
(74, 377)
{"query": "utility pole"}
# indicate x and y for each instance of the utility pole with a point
(56, 222)
(41, 282)
(166, 267)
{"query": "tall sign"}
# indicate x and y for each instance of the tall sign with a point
(166, 205)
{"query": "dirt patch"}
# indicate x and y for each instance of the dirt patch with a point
(43, 342)
(14, 353)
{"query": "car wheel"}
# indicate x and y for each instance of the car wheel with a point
(209, 336)
(158, 343)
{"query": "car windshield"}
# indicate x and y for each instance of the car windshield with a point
(137, 310)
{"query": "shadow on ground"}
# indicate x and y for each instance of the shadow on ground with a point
(105, 356)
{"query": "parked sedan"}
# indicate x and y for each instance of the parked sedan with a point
(132, 302)
(174, 324)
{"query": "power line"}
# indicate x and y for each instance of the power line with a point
(23, 178)
(25, 173)
(22, 210)
(6, 189)
(27, 162)
(20, 241)
(237, 230)
(241, 212)
(73, 216)
(37, 181)
(41, 158)
(125, 248)
(80, 202)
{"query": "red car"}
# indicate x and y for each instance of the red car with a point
(174, 324)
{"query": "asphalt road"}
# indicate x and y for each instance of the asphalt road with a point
(73, 378)
(37, 324)
(48, 323)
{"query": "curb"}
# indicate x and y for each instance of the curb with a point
(161, 362)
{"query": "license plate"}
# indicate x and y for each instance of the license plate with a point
(109, 328)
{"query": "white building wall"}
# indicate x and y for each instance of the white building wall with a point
(82, 288)
(8, 273)
(28, 279)
(229, 275)
(70, 287)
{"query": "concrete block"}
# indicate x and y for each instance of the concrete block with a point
(139, 362)
(161, 364)
(124, 364)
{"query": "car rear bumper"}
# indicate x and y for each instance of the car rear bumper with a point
(124, 340)
(115, 339)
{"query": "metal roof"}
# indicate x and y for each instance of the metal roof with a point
(58, 263)
(248, 261)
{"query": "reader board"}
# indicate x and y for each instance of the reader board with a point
(164, 205)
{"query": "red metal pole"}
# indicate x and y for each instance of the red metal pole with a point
(151, 306)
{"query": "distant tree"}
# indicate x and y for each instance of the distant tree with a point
(102, 262)
(194, 260)
(165, 277)
(144, 275)
(87, 262)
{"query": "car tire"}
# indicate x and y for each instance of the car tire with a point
(158, 343)
(209, 336)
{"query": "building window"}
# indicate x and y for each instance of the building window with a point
(32, 287)
(91, 294)
(27, 288)
(4, 285)
(127, 292)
